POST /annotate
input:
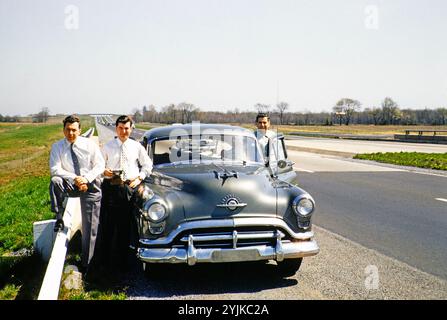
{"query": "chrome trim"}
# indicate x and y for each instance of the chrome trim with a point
(237, 205)
(278, 249)
(298, 199)
(191, 251)
(234, 239)
(239, 235)
(148, 204)
(231, 223)
(288, 249)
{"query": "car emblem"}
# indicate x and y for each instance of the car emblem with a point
(231, 202)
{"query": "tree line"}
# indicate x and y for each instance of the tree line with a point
(345, 112)
(42, 116)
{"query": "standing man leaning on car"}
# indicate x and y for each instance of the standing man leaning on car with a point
(127, 164)
(263, 132)
(76, 164)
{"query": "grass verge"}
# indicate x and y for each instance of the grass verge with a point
(22, 203)
(436, 161)
(24, 199)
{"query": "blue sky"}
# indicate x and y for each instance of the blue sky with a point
(220, 55)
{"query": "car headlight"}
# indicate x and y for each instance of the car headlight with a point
(146, 193)
(155, 212)
(303, 205)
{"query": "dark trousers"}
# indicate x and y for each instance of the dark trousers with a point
(116, 225)
(60, 190)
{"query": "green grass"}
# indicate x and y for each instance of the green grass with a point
(94, 295)
(437, 161)
(22, 141)
(9, 292)
(21, 277)
(15, 136)
(21, 203)
(24, 199)
(144, 126)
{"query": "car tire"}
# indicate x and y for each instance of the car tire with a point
(288, 267)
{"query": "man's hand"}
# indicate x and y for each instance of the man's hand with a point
(135, 182)
(59, 225)
(83, 187)
(80, 181)
(108, 173)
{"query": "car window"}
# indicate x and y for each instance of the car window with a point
(206, 148)
(276, 150)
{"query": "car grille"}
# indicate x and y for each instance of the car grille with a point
(229, 238)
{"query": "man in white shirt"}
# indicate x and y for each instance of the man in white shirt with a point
(263, 132)
(127, 165)
(76, 164)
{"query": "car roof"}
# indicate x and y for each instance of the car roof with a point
(189, 129)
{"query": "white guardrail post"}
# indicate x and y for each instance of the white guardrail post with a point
(52, 280)
(44, 237)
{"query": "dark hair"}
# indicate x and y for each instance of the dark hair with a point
(72, 119)
(123, 119)
(262, 115)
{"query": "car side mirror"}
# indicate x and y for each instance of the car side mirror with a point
(282, 164)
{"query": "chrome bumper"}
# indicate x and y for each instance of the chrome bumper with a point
(191, 255)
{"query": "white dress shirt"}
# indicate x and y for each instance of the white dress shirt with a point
(136, 154)
(263, 137)
(91, 162)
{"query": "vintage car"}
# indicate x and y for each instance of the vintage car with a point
(213, 197)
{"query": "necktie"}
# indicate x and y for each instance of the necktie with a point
(75, 161)
(123, 162)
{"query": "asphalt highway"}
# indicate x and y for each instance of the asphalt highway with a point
(394, 211)
(361, 146)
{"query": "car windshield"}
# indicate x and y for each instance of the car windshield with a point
(206, 149)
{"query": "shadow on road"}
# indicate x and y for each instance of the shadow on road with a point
(181, 280)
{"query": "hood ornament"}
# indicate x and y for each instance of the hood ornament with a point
(231, 202)
(224, 174)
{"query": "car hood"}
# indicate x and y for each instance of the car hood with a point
(204, 190)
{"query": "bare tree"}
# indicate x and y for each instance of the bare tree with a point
(390, 111)
(282, 107)
(137, 116)
(187, 110)
(169, 114)
(442, 114)
(262, 108)
(347, 107)
(42, 116)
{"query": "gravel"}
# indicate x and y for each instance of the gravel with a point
(343, 270)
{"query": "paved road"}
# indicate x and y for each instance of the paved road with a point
(391, 210)
(355, 146)
(106, 133)
(342, 270)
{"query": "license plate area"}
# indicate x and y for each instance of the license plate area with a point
(235, 255)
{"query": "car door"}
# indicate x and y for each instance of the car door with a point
(281, 166)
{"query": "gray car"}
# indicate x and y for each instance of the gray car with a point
(213, 197)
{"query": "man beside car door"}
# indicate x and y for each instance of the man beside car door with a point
(263, 132)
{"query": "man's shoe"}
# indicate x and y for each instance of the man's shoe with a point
(59, 225)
